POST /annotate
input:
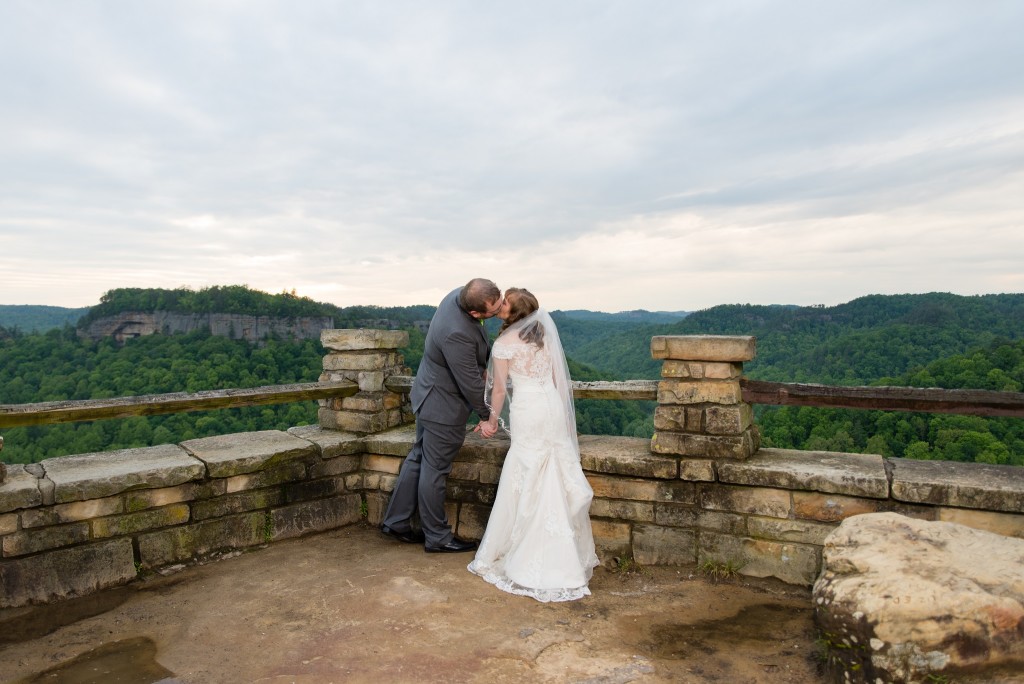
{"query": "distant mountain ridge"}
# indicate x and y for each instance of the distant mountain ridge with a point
(38, 318)
(635, 316)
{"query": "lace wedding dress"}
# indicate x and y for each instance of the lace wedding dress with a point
(538, 541)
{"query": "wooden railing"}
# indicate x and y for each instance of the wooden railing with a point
(20, 415)
(931, 400)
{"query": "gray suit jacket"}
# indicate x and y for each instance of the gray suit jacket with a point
(450, 380)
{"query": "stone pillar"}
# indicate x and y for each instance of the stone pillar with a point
(700, 408)
(365, 357)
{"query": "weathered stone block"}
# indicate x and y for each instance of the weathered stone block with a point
(706, 446)
(32, 541)
(678, 419)
(654, 545)
(369, 402)
(696, 470)
(352, 421)
(791, 563)
(625, 456)
(332, 443)
(675, 515)
(315, 516)
(674, 391)
(622, 510)
(20, 489)
(489, 474)
(66, 573)
(8, 523)
(314, 489)
(360, 361)
(462, 471)
(353, 339)
(728, 420)
(96, 475)
(202, 539)
(612, 539)
(72, 512)
(703, 347)
(251, 500)
(385, 464)
(621, 488)
(247, 452)
(682, 369)
(376, 504)
(472, 521)
(722, 371)
(468, 492)
(721, 521)
(335, 466)
(750, 500)
(480, 450)
(823, 471)
(831, 507)
(921, 601)
(282, 474)
(122, 525)
(394, 442)
(1008, 524)
(965, 485)
(151, 498)
(799, 531)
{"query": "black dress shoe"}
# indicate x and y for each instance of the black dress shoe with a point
(456, 545)
(410, 537)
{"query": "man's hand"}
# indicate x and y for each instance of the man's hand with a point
(487, 428)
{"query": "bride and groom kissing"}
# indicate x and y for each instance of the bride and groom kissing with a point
(538, 541)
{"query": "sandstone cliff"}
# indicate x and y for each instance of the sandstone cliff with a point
(236, 326)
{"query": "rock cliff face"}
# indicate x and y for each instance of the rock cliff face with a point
(236, 326)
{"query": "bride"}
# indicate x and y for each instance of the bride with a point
(538, 541)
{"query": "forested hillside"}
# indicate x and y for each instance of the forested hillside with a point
(240, 299)
(33, 318)
(921, 340)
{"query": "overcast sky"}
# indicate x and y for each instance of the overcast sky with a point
(607, 155)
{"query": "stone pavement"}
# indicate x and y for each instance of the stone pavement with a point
(351, 606)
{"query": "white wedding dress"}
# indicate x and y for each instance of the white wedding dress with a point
(538, 541)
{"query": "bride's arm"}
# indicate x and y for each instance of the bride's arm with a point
(490, 426)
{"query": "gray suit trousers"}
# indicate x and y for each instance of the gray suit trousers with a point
(423, 479)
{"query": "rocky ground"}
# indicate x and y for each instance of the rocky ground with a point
(351, 606)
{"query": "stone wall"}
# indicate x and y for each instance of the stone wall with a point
(700, 493)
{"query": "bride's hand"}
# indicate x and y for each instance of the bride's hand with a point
(488, 427)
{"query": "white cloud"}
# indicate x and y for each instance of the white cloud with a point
(654, 155)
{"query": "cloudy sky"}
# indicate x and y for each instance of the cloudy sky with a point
(648, 154)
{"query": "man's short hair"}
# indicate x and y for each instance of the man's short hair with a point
(477, 294)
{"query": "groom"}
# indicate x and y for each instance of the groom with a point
(448, 386)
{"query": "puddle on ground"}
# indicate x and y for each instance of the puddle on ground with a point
(130, 661)
(754, 624)
(23, 624)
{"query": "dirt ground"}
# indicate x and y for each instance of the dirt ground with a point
(352, 606)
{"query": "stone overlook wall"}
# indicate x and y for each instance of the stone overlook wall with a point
(236, 326)
(73, 525)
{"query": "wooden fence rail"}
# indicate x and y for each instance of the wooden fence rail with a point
(19, 415)
(931, 400)
(927, 400)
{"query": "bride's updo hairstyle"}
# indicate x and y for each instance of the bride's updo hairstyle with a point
(522, 303)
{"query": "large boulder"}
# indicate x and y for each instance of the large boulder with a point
(906, 600)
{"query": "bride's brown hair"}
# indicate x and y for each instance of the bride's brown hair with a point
(522, 303)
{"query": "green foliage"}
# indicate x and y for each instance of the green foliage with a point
(933, 340)
(717, 571)
(57, 365)
(946, 437)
